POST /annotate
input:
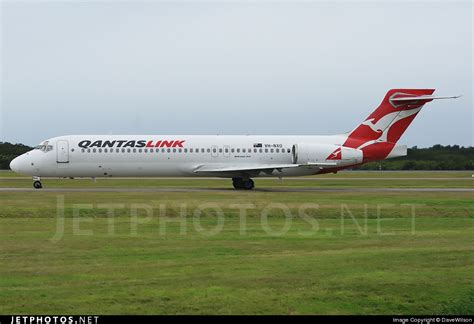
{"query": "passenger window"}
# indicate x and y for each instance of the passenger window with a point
(139, 150)
(226, 150)
(238, 150)
(288, 151)
(185, 150)
(255, 150)
(277, 150)
(94, 150)
(105, 150)
(134, 150)
(123, 150)
(220, 150)
(145, 150)
(243, 150)
(271, 150)
(88, 150)
(174, 150)
(129, 150)
(214, 150)
(266, 150)
(190, 150)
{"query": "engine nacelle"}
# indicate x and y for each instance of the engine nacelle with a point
(308, 153)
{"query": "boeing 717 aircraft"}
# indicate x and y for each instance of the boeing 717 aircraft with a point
(239, 158)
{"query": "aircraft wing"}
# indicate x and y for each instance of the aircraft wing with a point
(218, 168)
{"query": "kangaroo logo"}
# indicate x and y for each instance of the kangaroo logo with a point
(383, 125)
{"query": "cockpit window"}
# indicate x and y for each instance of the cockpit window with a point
(45, 147)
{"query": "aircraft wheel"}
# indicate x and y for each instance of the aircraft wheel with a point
(37, 185)
(248, 184)
(237, 183)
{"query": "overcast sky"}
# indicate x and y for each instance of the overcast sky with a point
(243, 67)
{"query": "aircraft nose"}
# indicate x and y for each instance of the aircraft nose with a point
(15, 165)
(18, 164)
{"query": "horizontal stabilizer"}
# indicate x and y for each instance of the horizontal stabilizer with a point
(423, 98)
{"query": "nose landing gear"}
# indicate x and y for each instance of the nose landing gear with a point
(245, 184)
(37, 183)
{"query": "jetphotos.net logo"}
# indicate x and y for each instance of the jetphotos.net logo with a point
(131, 143)
(53, 319)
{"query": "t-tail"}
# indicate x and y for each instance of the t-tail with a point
(378, 135)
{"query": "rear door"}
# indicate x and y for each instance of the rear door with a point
(62, 151)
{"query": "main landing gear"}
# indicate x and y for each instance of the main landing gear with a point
(37, 183)
(245, 184)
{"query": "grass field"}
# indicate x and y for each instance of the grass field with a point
(199, 253)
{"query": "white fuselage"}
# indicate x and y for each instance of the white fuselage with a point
(159, 155)
(236, 157)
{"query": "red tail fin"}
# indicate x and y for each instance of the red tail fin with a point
(377, 135)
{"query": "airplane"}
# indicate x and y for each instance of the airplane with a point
(239, 158)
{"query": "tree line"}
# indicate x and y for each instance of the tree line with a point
(9, 151)
(437, 157)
